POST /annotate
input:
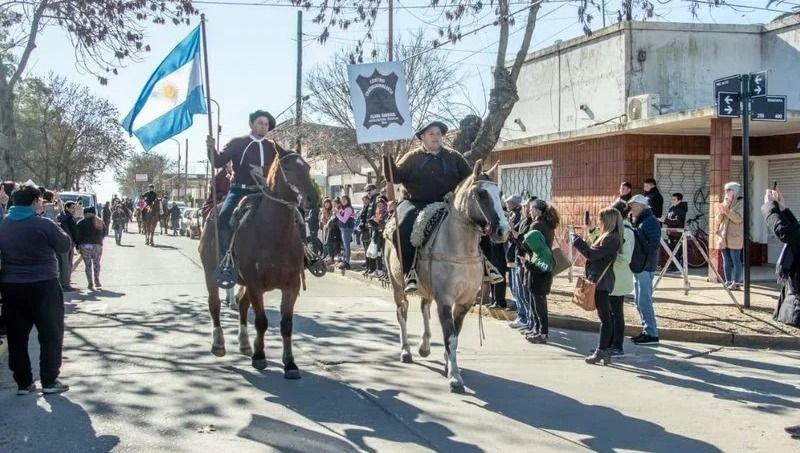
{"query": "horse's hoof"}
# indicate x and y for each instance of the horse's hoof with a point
(405, 357)
(456, 386)
(291, 374)
(260, 364)
(218, 351)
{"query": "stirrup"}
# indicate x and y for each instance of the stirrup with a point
(411, 282)
(225, 273)
(491, 274)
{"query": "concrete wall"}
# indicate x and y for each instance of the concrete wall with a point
(781, 57)
(681, 63)
(557, 80)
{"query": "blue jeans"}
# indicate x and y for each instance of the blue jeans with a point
(643, 292)
(520, 293)
(733, 265)
(347, 239)
(232, 200)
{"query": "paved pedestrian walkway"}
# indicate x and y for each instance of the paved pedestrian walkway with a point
(137, 358)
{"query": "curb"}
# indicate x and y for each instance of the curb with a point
(686, 335)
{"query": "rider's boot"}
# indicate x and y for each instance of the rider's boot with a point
(490, 273)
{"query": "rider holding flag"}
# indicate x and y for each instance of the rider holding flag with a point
(244, 153)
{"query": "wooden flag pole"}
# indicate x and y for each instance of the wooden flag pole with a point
(211, 134)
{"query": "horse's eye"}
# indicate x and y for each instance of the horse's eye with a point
(482, 193)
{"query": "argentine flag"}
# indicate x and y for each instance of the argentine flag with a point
(172, 96)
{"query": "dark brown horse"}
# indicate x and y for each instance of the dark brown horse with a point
(268, 253)
(149, 218)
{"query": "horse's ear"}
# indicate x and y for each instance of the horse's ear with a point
(477, 169)
(494, 168)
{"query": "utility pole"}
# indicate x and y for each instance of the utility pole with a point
(603, 11)
(745, 87)
(298, 116)
(186, 172)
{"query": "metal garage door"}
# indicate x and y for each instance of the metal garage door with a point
(530, 181)
(787, 173)
(689, 177)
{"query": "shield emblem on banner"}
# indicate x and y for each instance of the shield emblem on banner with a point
(380, 98)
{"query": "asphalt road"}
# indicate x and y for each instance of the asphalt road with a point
(137, 358)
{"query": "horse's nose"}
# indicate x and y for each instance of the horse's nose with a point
(500, 234)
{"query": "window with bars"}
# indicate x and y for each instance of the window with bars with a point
(528, 181)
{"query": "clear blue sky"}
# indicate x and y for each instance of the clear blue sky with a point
(252, 56)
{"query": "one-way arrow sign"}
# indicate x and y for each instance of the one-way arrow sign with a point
(729, 104)
(768, 108)
(758, 84)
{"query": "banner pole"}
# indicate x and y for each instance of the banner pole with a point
(211, 134)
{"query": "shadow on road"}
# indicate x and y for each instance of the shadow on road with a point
(65, 427)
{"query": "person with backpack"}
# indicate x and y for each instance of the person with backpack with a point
(644, 261)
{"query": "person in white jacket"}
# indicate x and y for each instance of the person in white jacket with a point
(623, 281)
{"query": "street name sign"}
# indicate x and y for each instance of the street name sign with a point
(758, 84)
(768, 108)
(730, 84)
(729, 104)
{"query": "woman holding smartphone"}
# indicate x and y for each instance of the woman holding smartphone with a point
(346, 217)
(600, 256)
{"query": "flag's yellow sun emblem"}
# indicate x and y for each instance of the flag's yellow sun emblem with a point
(169, 92)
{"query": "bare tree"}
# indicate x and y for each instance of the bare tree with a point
(503, 95)
(68, 136)
(102, 34)
(431, 82)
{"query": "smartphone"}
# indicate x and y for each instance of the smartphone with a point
(774, 185)
(586, 218)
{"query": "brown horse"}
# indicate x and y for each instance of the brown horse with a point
(268, 253)
(149, 219)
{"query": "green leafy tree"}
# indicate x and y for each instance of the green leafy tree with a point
(68, 137)
(152, 165)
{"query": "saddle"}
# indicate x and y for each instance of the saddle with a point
(425, 224)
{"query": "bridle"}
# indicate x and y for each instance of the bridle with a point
(483, 229)
(265, 190)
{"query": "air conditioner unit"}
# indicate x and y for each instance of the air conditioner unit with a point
(642, 107)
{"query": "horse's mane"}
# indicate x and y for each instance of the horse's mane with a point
(272, 172)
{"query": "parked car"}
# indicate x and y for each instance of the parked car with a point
(84, 200)
(194, 224)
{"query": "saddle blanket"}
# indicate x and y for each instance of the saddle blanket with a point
(426, 223)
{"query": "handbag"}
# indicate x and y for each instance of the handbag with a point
(585, 290)
(560, 261)
(372, 250)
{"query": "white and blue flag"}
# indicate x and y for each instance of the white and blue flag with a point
(172, 96)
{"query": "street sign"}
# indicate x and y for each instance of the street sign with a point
(140, 177)
(729, 104)
(768, 108)
(758, 84)
(730, 84)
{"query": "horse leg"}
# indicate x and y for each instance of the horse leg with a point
(288, 299)
(402, 316)
(244, 305)
(231, 299)
(425, 347)
(257, 301)
(450, 346)
(217, 338)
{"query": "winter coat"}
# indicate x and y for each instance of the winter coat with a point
(599, 257)
(650, 230)
(730, 232)
(787, 229)
(540, 263)
(676, 216)
(655, 201)
(514, 219)
(623, 277)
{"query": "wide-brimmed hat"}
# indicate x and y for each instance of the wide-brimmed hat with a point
(369, 187)
(640, 199)
(442, 127)
(89, 210)
(266, 114)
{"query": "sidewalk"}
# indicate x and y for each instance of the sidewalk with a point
(705, 315)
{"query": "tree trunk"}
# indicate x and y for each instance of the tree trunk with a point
(503, 95)
(8, 131)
